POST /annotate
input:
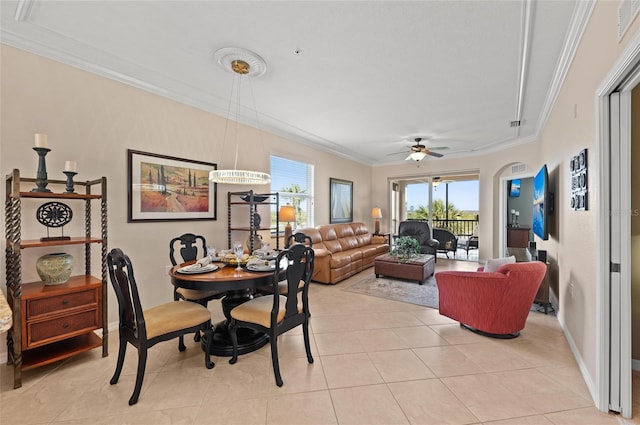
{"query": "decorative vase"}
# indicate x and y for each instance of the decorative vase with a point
(257, 241)
(54, 269)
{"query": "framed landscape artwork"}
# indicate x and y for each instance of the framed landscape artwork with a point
(341, 204)
(164, 188)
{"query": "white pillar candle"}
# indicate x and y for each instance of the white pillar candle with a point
(513, 211)
(517, 213)
(41, 140)
(70, 166)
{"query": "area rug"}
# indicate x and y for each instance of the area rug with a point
(409, 291)
(398, 290)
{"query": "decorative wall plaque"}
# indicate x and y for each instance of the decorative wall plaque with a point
(54, 214)
(579, 181)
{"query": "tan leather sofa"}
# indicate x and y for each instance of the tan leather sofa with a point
(342, 250)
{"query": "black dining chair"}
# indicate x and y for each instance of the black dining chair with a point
(145, 328)
(276, 314)
(189, 246)
(298, 238)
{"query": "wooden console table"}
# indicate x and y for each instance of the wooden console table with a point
(518, 237)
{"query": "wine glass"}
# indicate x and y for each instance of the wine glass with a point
(211, 251)
(238, 250)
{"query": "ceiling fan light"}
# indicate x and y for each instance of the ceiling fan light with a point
(417, 156)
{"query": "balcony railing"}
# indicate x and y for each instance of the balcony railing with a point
(457, 227)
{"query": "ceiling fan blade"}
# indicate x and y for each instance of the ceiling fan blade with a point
(436, 154)
(397, 153)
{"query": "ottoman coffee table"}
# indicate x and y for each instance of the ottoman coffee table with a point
(418, 268)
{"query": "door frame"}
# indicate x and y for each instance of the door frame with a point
(622, 77)
(503, 222)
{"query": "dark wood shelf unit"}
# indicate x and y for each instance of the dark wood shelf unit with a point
(234, 200)
(35, 243)
(57, 351)
(54, 322)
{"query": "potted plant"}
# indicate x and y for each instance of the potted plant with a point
(405, 248)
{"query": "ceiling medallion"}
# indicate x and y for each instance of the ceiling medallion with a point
(256, 66)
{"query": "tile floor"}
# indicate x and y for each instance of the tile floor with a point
(376, 362)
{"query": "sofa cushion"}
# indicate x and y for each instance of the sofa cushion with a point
(493, 265)
(369, 250)
(348, 242)
(340, 259)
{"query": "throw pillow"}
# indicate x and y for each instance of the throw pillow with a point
(494, 264)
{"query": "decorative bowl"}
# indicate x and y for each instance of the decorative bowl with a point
(256, 198)
(232, 260)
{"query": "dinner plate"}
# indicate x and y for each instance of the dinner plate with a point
(261, 267)
(197, 270)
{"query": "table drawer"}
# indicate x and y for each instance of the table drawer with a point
(62, 327)
(59, 303)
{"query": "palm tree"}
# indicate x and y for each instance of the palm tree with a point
(295, 200)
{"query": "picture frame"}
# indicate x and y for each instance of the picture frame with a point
(514, 188)
(341, 201)
(166, 188)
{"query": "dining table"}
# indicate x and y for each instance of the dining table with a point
(238, 286)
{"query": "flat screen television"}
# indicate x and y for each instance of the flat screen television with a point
(540, 204)
(514, 188)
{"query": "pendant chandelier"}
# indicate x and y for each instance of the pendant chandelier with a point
(244, 64)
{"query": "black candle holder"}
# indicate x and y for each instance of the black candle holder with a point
(69, 175)
(41, 175)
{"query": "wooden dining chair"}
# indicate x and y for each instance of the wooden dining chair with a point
(189, 249)
(144, 329)
(276, 314)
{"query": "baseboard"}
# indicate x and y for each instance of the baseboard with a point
(591, 386)
(3, 348)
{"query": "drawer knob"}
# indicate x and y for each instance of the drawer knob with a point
(65, 302)
(65, 325)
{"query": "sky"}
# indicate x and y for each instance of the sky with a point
(463, 195)
(292, 172)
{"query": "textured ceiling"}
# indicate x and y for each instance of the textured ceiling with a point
(360, 79)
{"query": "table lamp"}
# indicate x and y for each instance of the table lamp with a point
(377, 214)
(287, 213)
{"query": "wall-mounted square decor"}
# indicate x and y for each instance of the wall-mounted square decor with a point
(579, 181)
(341, 204)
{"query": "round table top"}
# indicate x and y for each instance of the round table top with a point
(226, 278)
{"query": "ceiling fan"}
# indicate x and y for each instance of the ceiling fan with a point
(419, 151)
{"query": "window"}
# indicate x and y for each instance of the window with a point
(293, 180)
(454, 202)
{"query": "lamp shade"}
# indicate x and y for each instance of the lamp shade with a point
(376, 213)
(417, 156)
(287, 213)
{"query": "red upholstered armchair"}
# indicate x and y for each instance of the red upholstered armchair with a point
(494, 304)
